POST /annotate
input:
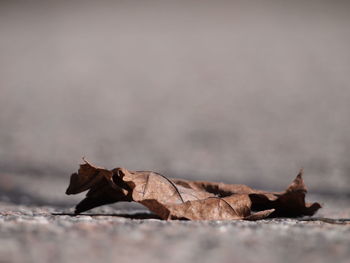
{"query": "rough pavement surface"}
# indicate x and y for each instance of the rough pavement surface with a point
(109, 234)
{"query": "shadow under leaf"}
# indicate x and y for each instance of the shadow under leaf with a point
(139, 215)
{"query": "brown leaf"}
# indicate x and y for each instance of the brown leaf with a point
(156, 192)
(290, 203)
(182, 199)
(216, 208)
(101, 186)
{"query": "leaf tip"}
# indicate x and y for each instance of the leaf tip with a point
(298, 183)
(71, 188)
(86, 161)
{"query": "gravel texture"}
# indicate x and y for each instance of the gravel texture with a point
(113, 234)
(37, 226)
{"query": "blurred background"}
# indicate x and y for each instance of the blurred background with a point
(235, 91)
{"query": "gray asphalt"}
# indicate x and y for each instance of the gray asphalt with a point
(247, 92)
(49, 234)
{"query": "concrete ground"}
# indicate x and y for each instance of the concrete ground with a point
(127, 233)
(37, 225)
(247, 92)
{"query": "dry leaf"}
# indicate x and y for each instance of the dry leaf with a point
(101, 186)
(183, 199)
